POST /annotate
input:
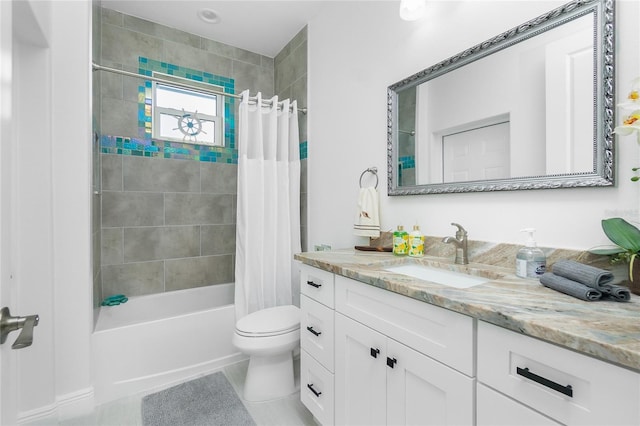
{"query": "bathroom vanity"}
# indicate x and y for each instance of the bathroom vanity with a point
(381, 347)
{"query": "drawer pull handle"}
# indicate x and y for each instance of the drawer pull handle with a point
(312, 331)
(391, 362)
(315, 392)
(312, 284)
(375, 352)
(524, 372)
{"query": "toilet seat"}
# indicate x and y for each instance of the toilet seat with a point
(270, 322)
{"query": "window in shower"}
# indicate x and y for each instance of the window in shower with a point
(185, 114)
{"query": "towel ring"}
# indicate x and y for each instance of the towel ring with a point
(374, 171)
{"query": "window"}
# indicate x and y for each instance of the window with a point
(187, 115)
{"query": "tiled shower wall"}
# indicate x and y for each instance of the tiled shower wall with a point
(96, 219)
(291, 82)
(167, 223)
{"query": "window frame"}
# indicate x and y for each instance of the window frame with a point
(197, 88)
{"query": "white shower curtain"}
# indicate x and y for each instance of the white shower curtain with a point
(268, 211)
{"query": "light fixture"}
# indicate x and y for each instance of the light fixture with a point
(411, 10)
(209, 16)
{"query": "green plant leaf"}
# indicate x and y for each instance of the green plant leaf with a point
(607, 251)
(622, 233)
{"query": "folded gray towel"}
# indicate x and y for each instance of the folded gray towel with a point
(567, 286)
(619, 293)
(584, 274)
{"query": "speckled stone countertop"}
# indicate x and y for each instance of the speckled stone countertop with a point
(604, 329)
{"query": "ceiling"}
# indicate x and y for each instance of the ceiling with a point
(260, 26)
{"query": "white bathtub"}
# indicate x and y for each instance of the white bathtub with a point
(161, 339)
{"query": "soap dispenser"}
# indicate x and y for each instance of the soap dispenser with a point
(400, 242)
(531, 262)
(416, 242)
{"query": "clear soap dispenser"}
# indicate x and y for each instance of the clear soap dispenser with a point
(531, 262)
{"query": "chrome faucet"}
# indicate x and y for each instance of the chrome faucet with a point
(460, 241)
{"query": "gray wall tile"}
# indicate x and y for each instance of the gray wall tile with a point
(124, 46)
(156, 243)
(112, 246)
(133, 279)
(160, 174)
(111, 172)
(119, 118)
(132, 209)
(198, 272)
(218, 239)
(219, 178)
(198, 209)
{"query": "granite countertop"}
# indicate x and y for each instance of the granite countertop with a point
(604, 329)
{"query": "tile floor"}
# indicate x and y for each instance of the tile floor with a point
(287, 411)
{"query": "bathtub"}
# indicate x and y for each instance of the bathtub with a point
(158, 340)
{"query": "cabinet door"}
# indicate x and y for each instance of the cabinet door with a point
(360, 371)
(495, 409)
(422, 391)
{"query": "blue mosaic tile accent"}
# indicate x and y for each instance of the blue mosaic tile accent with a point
(144, 145)
(147, 66)
(408, 162)
(166, 149)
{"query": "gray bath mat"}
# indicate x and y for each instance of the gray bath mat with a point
(209, 400)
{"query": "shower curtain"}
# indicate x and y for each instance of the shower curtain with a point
(268, 211)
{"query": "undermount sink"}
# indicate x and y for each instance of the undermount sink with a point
(439, 276)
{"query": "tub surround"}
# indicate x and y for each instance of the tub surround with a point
(607, 330)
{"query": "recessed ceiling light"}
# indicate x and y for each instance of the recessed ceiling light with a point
(209, 16)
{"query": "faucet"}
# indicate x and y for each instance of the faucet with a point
(460, 241)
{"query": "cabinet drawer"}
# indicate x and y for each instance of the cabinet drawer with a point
(444, 335)
(495, 409)
(316, 389)
(317, 284)
(317, 331)
(567, 386)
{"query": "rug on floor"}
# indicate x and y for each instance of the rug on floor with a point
(208, 400)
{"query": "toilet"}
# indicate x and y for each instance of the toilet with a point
(269, 337)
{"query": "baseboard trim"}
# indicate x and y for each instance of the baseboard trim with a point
(67, 406)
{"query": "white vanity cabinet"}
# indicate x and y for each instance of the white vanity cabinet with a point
(393, 357)
(521, 377)
(316, 342)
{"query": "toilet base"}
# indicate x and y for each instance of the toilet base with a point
(269, 377)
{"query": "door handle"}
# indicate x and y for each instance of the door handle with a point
(9, 324)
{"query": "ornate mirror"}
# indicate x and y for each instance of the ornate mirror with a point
(531, 108)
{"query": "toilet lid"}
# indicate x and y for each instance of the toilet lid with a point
(278, 320)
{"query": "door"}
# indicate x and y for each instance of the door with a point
(422, 391)
(8, 388)
(360, 369)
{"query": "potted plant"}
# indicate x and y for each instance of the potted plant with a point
(626, 240)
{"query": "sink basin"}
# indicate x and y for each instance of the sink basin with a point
(440, 276)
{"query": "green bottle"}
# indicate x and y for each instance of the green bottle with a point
(400, 242)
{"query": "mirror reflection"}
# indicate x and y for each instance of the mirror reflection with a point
(520, 115)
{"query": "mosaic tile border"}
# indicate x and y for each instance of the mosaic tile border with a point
(167, 149)
(146, 146)
(408, 162)
(147, 66)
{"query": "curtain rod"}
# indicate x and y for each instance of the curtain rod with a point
(97, 67)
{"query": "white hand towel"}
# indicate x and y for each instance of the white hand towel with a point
(367, 223)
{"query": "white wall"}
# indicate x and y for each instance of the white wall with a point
(357, 49)
(52, 127)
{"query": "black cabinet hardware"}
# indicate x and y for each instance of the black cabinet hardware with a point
(315, 392)
(312, 331)
(524, 372)
(391, 362)
(312, 284)
(375, 352)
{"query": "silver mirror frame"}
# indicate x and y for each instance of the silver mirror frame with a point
(603, 173)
